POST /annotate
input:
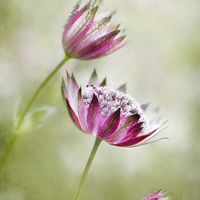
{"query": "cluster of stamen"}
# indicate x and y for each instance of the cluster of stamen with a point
(110, 100)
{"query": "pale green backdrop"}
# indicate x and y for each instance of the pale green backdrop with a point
(161, 65)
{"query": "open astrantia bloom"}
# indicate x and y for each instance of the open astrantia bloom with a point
(158, 195)
(108, 114)
(87, 36)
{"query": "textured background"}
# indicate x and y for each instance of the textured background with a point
(160, 65)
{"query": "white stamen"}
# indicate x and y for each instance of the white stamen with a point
(110, 100)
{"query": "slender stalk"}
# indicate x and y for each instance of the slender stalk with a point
(16, 128)
(42, 85)
(7, 150)
(87, 167)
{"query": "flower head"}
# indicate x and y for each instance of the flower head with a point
(87, 36)
(106, 113)
(158, 195)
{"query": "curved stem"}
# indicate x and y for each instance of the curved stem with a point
(87, 167)
(7, 150)
(42, 85)
(16, 128)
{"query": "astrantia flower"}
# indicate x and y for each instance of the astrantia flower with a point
(108, 114)
(87, 36)
(158, 195)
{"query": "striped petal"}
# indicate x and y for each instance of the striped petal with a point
(132, 141)
(82, 28)
(73, 115)
(110, 125)
(72, 91)
(125, 125)
(98, 47)
(82, 111)
(92, 115)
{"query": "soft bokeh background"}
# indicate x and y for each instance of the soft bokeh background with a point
(160, 65)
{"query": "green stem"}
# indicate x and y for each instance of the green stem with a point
(42, 85)
(7, 150)
(87, 167)
(14, 132)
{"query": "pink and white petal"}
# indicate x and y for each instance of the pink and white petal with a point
(72, 19)
(156, 195)
(118, 43)
(152, 134)
(83, 29)
(92, 115)
(97, 51)
(72, 92)
(82, 114)
(78, 24)
(64, 90)
(97, 30)
(73, 115)
(122, 88)
(98, 47)
(104, 14)
(132, 141)
(94, 79)
(125, 124)
(133, 132)
(110, 125)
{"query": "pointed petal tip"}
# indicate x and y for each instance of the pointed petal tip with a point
(94, 74)
(94, 79)
(113, 13)
(73, 79)
(122, 88)
(68, 76)
(95, 2)
(63, 86)
(103, 83)
(145, 106)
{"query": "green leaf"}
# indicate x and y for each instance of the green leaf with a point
(35, 119)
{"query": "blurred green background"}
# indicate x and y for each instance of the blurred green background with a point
(160, 65)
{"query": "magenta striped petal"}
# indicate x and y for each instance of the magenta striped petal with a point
(74, 16)
(132, 141)
(92, 115)
(98, 47)
(72, 91)
(135, 130)
(73, 115)
(116, 44)
(98, 29)
(110, 125)
(158, 195)
(82, 111)
(107, 113)
(87, 36)
(125, 125)
(81, 32)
